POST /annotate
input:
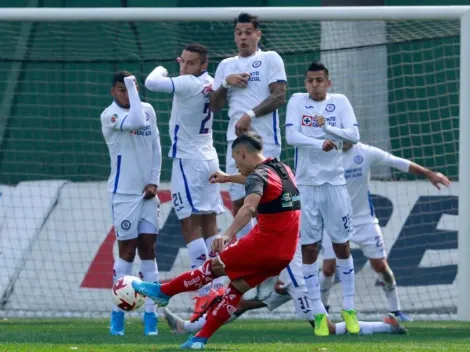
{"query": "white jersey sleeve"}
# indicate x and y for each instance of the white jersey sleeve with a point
(277, 71)
(348, 130)
(187, 85)
(157, 151)
(219, 76)
(381, 157)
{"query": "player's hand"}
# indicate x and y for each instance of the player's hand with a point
(280, 287)
(129, 81)
(219, 243)
(150, 191)
(321, 120)
(218, 177)
(238, 80)
(436, 178)
(243, 125)
(328, 145)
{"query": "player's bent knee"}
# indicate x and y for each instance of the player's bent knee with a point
(146, 246)
(310, 253)
(127, 249)
(341, 250)
(329, 267)
(379, 265)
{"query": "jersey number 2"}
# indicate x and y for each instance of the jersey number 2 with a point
(204, 129)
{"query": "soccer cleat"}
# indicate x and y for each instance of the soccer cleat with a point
(349, 317)
(392, 320)
(321, 325)
(194, 343)
(402, 316)
(151, 290)
(117, 323)
(176, 323)
(202, 303)
(264, 289)
(150, 324)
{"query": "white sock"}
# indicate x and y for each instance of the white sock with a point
(326, 283)
(149, 273)
(196, 326)
(220, 281)
(367, 328)
(198, 254)
(390, 289)
(121, 268)
(310, 272)
(246, 229)
(345, 268)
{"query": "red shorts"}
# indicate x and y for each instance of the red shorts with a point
(254, 258)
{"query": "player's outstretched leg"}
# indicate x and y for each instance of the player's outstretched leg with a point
(188, 281)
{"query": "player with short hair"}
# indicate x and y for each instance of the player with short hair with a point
(130, 130)
(264, 252)
(253, 83)
(317, 123)
(357, 161)
(196, 201)
(289, 286)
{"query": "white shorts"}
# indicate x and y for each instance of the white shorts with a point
(190, 188)
(296, 291)
(133, 215)
(367, 236)
(237, 191)
(325, 207)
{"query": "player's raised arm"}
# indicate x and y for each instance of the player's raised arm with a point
(222, 177)
(348, 132)
(383, 158)
(158, 81)
(294, 135)
(157, 156)
(135, 119)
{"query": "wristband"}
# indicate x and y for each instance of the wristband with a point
(251, 113)
(225, 84)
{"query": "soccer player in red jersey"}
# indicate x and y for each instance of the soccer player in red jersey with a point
(271, 195)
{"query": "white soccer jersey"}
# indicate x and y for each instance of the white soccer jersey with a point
(357, 163)
(135, 155)
(264, 67)
(191, 118)
(313, 166)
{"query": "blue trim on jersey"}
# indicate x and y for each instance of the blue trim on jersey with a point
(296, 155)
(356, 124)
(371, 205)
(173, 84)
(186, 187)
(276, 142)
(175, 138)
(112, 214)
(292, 278)
(124, 119)
(289, 124)
(281, 81)
(118, 172)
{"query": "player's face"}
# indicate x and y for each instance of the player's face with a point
(119, 92)
(317, 84)
(246, 38)
(190, 63)
(240, 157)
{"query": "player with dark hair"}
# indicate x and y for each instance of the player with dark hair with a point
(264, 252)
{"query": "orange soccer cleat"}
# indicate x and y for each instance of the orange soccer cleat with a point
(202, 304)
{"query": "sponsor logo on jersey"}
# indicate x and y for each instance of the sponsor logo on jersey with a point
(254, 77)
(114, 117)
(307, 120)
(288, 199)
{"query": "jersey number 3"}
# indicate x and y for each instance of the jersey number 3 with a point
(204, 129)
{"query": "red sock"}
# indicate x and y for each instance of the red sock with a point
(190, 280)
(222, 313)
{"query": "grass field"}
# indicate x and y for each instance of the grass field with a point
(92, 335)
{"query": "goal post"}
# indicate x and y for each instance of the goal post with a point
(354, 42)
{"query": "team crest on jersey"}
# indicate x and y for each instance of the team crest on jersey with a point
(147, 116)
(256, 64)
(330, 107)
(307, 120)
(126, 225)
(358, 159)
(114, 118)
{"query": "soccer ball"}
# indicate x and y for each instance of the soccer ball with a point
(124, 296)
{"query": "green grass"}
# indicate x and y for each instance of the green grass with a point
(92, 335)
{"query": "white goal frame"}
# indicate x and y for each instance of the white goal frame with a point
(384, 13)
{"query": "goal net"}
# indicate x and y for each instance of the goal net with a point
(56, 240)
